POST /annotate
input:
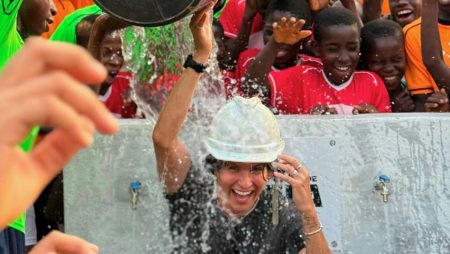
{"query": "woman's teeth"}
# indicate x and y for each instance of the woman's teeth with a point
(242, 193)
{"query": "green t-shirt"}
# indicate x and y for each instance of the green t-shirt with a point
(26, 146)
(66, 30)
(10, 43)
(218, 13)
(10, 40)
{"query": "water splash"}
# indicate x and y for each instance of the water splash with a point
(154, 57)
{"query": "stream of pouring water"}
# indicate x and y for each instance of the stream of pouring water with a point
(154, 56)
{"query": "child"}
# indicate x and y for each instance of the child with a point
(105, 45)
(433, 59)
(240, 19)
(287, 55)
(383, 52)
(405, 12)
(337, 88)
(421, 82)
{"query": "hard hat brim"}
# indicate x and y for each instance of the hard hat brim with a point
(250, 154)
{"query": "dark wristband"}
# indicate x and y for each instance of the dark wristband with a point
(191, 63)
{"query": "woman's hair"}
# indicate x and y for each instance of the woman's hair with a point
(212, 164)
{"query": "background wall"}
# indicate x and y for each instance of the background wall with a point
(345, 154)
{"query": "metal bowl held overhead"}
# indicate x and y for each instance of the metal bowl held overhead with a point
(150, 12)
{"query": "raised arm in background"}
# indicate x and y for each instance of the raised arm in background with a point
(431, 45)
(284, 32)
(235, 47)
(351, 5)
(371, 10)
(172, 158)
(432, 57)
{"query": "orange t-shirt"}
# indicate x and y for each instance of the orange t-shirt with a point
(64, 8)
(385, 8)
(81, 3)
(418, 79)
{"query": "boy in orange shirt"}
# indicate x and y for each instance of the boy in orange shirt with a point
(433, 59)
(419, 80)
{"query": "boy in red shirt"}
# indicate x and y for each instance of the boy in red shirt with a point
(337, 88)
(287, 55)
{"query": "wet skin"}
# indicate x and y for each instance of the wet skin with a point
(111, 56)
(339, 51)
(287, 54)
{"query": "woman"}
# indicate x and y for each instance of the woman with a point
(232, 210)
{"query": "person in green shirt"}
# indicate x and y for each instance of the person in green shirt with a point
(20, 19)
(218, 8)
(72, 28)
(10, 39)
(75, 114)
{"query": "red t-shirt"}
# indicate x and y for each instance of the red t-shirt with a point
(299, 89)
(245, 60)
(118, 99)
(230, 83)
(231, 19)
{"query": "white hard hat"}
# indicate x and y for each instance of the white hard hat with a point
(244, 130)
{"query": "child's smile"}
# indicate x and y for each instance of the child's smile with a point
(339, 51)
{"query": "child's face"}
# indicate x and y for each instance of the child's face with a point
(286, 52)
(111, 55)
(405, 11)
(339, 51)
(387, 59)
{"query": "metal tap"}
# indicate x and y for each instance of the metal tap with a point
(135, 187)
(381, 184)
